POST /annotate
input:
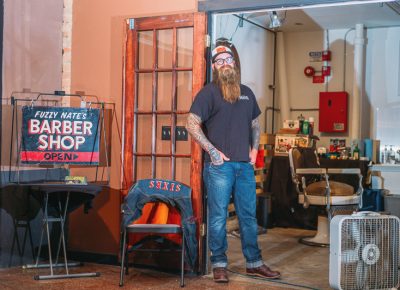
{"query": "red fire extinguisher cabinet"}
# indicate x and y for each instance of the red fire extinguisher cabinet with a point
(333, 111)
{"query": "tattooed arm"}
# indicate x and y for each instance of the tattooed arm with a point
(255, 134)
(194, 128)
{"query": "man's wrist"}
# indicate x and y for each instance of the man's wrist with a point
(215, 156)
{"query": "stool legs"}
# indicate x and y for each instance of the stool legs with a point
(123, 250)
(124, 260)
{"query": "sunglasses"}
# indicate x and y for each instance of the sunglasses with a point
(221, 61)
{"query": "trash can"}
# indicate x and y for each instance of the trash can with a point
(263, 201)
(392, 204)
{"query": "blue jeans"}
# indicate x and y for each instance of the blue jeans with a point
(222, 181)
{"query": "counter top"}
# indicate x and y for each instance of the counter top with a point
(386, 167)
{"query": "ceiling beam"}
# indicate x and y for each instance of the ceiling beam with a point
(247, 5)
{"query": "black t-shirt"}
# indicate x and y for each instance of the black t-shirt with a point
(227, 126)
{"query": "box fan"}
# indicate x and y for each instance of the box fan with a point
(364, 251)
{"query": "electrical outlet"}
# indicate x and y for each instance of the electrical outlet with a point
(166, 133)
(181, 134)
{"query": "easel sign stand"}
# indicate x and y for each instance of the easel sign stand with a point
(54, 135)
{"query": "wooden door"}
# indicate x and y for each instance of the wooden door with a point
(164, 69)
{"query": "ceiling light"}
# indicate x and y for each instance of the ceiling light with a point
(275, 21)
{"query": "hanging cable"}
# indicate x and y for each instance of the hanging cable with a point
(237, 26)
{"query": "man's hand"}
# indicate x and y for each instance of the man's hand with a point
(253, 156)
(193, 126)
(217, 157)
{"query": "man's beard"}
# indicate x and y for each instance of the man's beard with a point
(228, 81)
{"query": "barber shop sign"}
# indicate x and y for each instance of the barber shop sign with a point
(60, 135)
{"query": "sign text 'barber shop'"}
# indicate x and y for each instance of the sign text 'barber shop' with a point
(60, 135)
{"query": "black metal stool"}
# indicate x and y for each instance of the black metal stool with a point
(155, 229)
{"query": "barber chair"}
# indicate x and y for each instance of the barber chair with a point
(314, 188)
(156, 191)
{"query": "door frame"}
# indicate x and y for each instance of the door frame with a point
(199, 23)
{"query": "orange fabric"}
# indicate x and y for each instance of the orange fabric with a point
(174, 217)
(157, 213)
(161, 214)
(146, 213)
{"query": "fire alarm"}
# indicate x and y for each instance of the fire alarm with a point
(309, 71)
(326, 55)
(326, 70)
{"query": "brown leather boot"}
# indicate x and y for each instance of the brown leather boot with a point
(220, 275)
(264, 272)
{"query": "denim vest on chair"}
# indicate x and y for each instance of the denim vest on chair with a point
(170, 192)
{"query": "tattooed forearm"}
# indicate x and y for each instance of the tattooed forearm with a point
(255, 133)
(194, 128)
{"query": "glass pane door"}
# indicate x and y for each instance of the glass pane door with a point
(161, 147)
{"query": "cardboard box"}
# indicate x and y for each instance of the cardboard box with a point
(284, 142)
(291, 124)
(392, 204)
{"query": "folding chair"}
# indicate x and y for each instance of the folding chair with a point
(170, 192)
(154, 229)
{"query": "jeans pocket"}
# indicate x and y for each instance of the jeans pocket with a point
(214, 166)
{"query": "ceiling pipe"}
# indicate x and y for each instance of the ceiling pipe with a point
(284, 102)
(358, 82)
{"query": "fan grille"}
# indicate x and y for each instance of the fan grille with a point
(370, 253)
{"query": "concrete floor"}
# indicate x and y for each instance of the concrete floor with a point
(302, 267)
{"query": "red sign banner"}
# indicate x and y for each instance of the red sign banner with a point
(60, 135)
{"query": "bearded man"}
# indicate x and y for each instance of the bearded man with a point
(228, 112)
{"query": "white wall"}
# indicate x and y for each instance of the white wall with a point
(381, 100)
(303, 93)
(255, 48)
(383, 84)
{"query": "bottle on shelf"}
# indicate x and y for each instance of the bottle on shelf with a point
(391, 156)
(385, 156)
(301, 120)
(311, 126)
(356, 152)
(305, 128)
